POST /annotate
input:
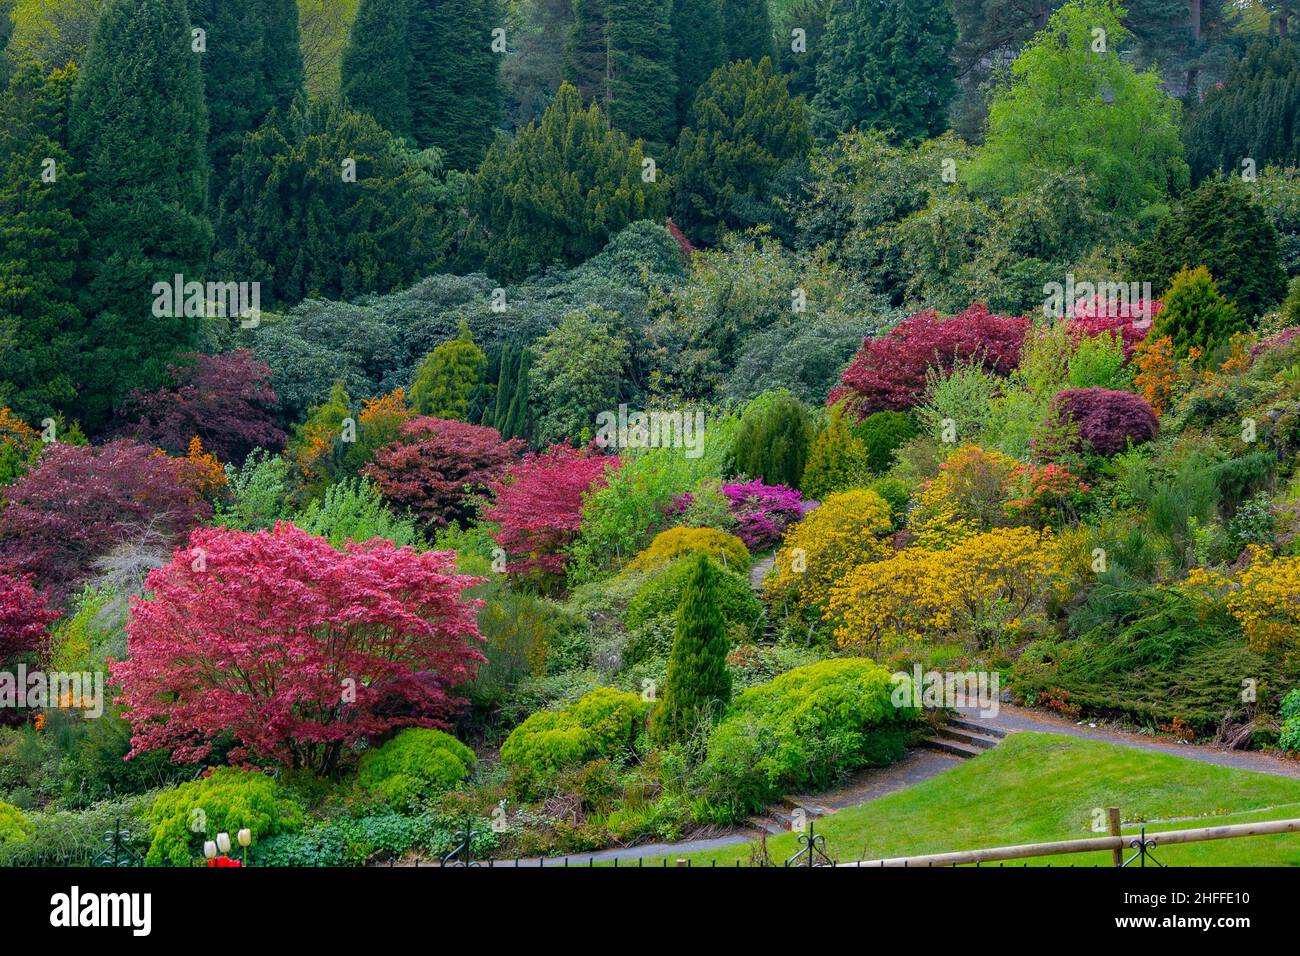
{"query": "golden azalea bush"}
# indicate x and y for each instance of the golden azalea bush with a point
(845, 531)
(968, 496)
(1263, 597)
(980, 590)
(728, 550)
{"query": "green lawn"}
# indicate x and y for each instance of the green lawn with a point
(1040, 787)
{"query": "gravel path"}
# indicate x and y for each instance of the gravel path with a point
(1011, 717)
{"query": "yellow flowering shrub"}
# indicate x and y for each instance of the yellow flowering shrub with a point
(727, 549)
(981, 589)
(1264, 598)
(966, 497)
(846, 530)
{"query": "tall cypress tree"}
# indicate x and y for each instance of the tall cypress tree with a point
(376, 67)
(426, 71)
(40, 244)
(620, 54)
(698, 687)
(699, 45)
(139, 132)
(453, 92)
(587, 53)
(644, 84)
(252, 65)
(747, 27)
(885, 65)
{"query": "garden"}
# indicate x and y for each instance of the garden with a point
(599, 453)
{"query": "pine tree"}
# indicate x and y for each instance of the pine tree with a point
(1195, 314)
(40, 324)
(376, 68)
(290, 220)
(620, 54)
(452, 90)
(885, 65)
(139, 131)
(448, 377)
(772, 440)
(747, 28)
(643, 100)
(1254, 114)
(700, 48)
(698, 686)
(252, 64)
(744, 129)
(519, 421)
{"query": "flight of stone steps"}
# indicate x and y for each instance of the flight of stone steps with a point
(965, 738)
(787, 816)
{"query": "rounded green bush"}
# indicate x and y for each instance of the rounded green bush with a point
(601, 724)
(884, 433)
(661, 592)
(13, 825)
(416, 762)
(801, 731)
(226, 801)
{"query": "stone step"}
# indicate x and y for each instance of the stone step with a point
(769, 825)
(955, 747)
(978, 726)
(972, 738)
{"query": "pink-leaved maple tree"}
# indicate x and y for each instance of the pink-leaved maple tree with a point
(538, 506)
(295, 650)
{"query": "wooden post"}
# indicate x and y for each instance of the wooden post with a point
(681, 861)
(1117, 854)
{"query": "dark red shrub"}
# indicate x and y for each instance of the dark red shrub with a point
(226, 400)
(438, 463)
(24, 616)
(80, 501)
(888, 373)
(1106, 420)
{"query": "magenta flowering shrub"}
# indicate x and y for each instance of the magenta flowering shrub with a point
(763, 512)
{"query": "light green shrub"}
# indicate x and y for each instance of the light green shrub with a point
(226, 801)
(661, 593)
(415, 763)
(801, 731)
(14, 826)
(602, 724)
(353, 510)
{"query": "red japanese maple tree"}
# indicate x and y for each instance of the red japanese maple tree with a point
(293, 648)
(438, 463)
(1091, 316)
(24, 616)
(226, 400)
(538, 506)
(888, 373)
(80, 502)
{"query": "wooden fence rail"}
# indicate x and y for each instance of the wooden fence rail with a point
(1114, 842)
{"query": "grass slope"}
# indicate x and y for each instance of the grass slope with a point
(1035, 788)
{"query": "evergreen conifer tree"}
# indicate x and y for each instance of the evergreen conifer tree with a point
(40, 324)
(698, 687)
(139, 133)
